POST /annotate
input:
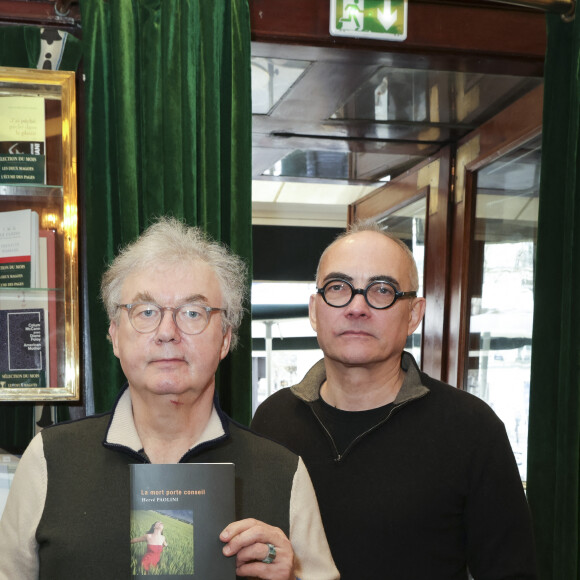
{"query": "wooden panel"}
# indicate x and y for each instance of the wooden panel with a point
(462, 218)
(515, 125)
(387, 199)
(450, 27)
(39, 13)
(435, 284)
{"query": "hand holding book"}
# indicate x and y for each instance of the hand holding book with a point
(261, 551)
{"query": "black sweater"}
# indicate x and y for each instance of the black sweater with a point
(432, 489)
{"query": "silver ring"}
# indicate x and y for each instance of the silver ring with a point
(271, 554)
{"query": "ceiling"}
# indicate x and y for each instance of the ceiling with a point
(332, 124)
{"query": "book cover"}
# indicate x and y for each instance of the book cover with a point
(22, 348)
(22, 140)
(177, 513)
(18, 249)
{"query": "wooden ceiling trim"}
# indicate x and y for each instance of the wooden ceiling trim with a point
(40, 13)
(457, 27)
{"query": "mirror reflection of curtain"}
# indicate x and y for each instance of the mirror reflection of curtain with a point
(554, 424)
(168, 131)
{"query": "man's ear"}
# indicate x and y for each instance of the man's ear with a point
(416, 313)
(225, 347)
(113, 335)
(312, 311)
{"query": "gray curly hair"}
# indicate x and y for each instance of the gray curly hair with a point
(171, 241)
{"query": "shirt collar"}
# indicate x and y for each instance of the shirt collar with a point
(122, 429)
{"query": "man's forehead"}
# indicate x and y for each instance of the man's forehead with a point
(363, 254)
(183, 280)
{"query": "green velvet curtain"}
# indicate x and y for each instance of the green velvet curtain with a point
(554, 428)
(168, 132)
(19, 46)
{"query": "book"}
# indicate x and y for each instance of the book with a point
(193, 502)
(22, 140)
(18, 249)
(22, 346)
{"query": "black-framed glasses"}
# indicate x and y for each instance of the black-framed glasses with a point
(380, 294)
(189, 318)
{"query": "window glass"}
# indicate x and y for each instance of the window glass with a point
(284, 343)
(501, 290)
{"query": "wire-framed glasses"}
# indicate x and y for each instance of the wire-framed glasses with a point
(380, 294)
(189, 318)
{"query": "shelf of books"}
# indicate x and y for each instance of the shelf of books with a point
(39, 320)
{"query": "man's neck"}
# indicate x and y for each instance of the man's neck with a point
(360, 388)
(167, 431)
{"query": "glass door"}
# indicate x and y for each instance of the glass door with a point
(501, 282)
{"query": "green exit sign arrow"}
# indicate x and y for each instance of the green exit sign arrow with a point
(382, 19)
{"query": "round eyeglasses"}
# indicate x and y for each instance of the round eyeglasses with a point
(380, 294)
(189, 318)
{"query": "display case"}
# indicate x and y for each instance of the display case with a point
(39, 312)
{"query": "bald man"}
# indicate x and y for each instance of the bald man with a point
(415, 479)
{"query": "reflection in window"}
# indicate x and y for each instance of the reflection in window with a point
(501, 290)
(271, 79)
(407, 96)
(345, 166)
(408, 224)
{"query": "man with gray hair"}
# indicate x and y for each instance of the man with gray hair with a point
(175, 301)
(415, 479)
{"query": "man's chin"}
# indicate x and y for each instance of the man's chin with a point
(355, 359)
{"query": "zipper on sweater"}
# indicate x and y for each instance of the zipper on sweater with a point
(371, 429)
(336, 453)
(339, 457)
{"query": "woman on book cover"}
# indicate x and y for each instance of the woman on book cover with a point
(155, 543)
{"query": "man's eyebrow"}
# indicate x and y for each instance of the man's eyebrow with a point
(384, 278)
(337, 275)
(143, 297)
(147, 297)
(377, 278)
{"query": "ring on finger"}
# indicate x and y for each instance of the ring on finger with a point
(271, 554)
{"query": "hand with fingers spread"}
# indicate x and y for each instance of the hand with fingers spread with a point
(261, 551)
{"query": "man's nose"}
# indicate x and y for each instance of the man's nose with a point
(358, 304)
(167, 329)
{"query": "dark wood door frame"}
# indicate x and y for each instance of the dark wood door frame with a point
(507, 131)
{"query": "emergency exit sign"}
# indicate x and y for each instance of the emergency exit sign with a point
(381, 19)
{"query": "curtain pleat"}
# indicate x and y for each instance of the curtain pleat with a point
(20, 46)
(168, 131)
(554, 423)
